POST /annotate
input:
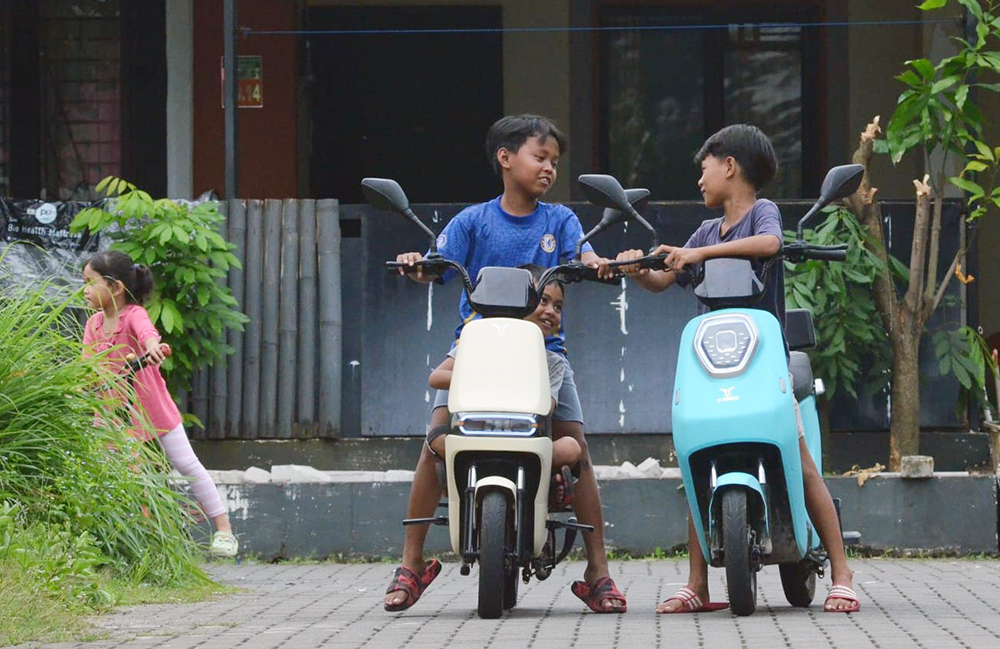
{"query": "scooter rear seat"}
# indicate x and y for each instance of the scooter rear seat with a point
(802, 375)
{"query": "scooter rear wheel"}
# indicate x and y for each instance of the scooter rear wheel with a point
(492, 555)
(798, 580)
(741, 578)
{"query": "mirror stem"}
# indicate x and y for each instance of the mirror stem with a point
(644, 223)
(812, 210)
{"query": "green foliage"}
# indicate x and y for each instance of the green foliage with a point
(852, 347)
(97, 496)
(187, 255)
(964, 353)
(934, 112)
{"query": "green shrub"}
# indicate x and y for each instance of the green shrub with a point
(97, 497)
(187, 255)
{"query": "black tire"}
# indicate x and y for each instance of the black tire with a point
(510, 589)
(741, 578)
(798, 580)
(492, 554)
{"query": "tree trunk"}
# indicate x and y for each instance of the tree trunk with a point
(904, 417)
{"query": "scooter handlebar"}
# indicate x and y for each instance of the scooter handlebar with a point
(431, 267)
(797, 252)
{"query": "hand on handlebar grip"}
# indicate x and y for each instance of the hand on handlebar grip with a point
(412, 259)
(632, 269)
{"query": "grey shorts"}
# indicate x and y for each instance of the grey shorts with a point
(568, 406)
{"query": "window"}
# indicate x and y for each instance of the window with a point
(665, 90)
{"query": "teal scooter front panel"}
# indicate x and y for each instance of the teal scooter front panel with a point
(750, 407)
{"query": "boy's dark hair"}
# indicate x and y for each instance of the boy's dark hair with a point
(750, 148)
(113, 265)
(536, 274)
(512, 131)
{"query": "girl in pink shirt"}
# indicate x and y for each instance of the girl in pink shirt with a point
(116, 288)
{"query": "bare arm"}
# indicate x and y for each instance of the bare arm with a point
(440, 378)
(759, 245)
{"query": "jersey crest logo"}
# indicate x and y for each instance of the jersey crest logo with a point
(549, 243)
(442, 240)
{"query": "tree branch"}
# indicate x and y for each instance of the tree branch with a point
(933, 249)
(933, 304)
(912, 301)
(869, 213)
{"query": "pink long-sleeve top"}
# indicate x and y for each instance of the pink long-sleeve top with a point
(134, 329)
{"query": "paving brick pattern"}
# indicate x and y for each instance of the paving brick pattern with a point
(905, 603)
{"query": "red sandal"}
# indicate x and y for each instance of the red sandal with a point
(602, 589)
(565, 480)
(410, 583)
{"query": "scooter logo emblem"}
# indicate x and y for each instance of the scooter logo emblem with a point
(501, 328)
(727, 395)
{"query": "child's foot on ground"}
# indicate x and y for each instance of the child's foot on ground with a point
(600, 593)
(690, 599)
(408, 585)
(841, 599)
(224, 545)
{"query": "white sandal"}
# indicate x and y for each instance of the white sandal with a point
(224, 545)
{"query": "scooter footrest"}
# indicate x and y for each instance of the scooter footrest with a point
(434, 520)
(851, 538)
(568, 525)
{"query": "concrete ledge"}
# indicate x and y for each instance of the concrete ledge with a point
(952, 451)
(952, 512)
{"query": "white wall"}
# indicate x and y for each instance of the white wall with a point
(180, 87)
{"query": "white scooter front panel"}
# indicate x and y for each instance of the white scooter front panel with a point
(517, 378)
(538, 446)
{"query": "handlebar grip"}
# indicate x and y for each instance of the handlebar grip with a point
(825, 255)
(429, 267)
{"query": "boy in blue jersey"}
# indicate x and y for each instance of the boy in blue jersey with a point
(735, 164)
(511, 230)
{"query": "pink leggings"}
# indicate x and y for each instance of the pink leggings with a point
(178, 450)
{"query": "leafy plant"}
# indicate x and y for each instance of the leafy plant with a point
(77, 481)
(937, 117)
(852, 348)
(183, 247)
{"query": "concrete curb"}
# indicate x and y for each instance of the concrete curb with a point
(951, 512)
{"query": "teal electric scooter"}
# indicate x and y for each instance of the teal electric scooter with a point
(734, 425)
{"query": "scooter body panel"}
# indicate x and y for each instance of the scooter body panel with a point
(536, 451)
(517, 378)
(731, 419)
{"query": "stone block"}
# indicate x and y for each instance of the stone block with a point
(255, 475)
(650, 468)
(297, 473)
(916, 466)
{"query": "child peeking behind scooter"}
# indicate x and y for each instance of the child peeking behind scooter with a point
(565, 450)
(736, 163)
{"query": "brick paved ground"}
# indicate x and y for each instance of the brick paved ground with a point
(905, 603)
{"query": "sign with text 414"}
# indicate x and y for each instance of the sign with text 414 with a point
(249, 81)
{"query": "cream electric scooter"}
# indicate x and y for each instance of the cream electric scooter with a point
(499, 452)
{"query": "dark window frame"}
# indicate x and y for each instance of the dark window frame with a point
(813, 80)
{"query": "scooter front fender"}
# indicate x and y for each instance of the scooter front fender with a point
(734, 480)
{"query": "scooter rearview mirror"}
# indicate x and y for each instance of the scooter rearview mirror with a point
(604, 191)
(386, 194)
(840, 182)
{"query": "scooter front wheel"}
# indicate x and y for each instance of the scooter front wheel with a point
(492, 555)
(741, 577)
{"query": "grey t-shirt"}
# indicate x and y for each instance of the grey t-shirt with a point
(557, 369)
(763, 218)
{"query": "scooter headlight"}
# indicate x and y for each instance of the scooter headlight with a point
(726, 343)
(496, 424)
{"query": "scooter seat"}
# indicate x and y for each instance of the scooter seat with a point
(802, 375)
